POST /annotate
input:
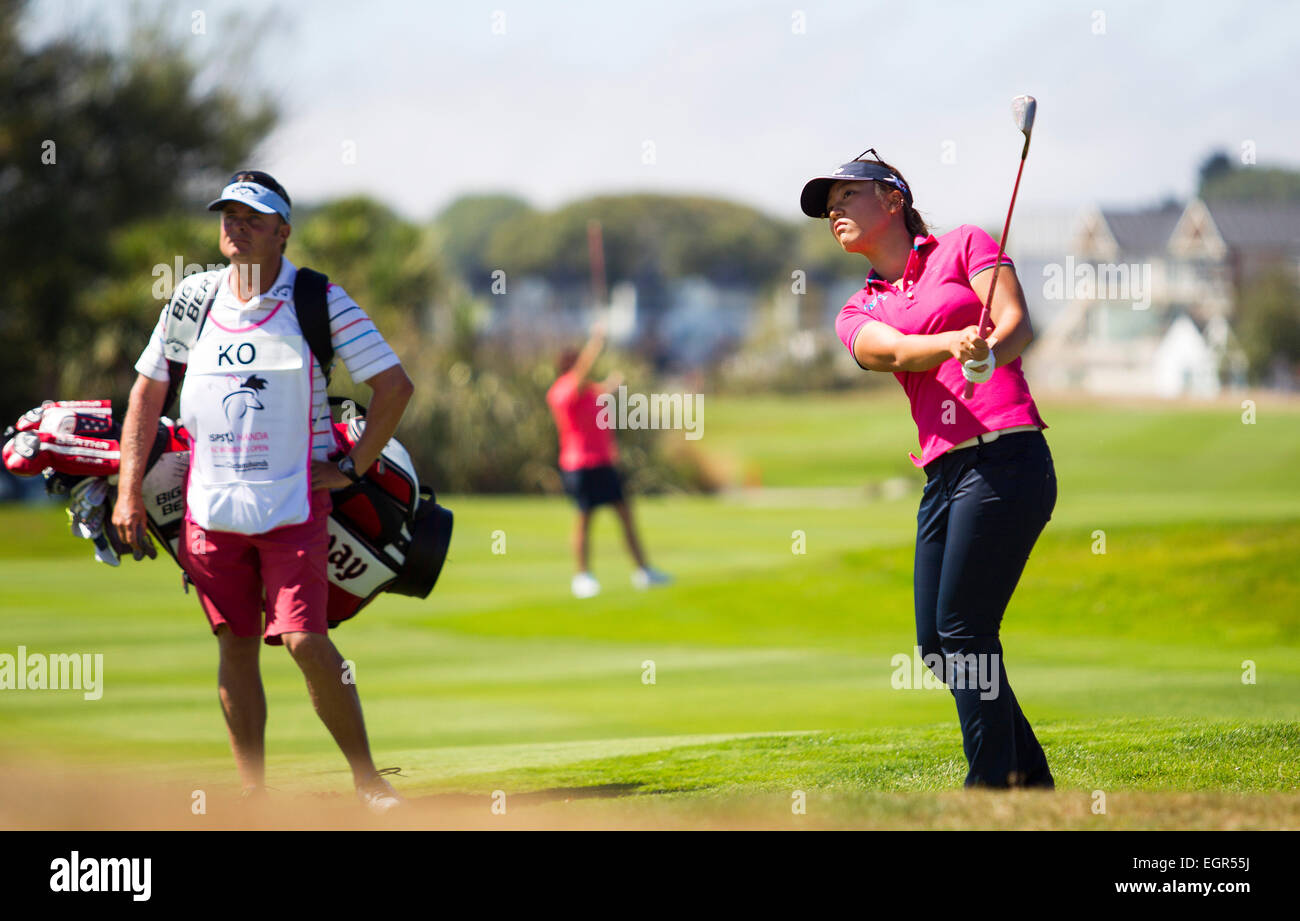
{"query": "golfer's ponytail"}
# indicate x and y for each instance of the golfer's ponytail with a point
(912, 219)
(914, 222)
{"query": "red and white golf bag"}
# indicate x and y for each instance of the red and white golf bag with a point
(387, 534)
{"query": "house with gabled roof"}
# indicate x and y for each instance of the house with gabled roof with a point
(1236, 240)
(1150, 296)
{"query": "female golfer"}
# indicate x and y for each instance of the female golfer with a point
(990, 483)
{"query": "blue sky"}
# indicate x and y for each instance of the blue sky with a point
(555, 101)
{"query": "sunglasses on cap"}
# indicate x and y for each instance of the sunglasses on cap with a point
(813, 199)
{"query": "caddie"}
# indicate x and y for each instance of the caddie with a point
(253, 397)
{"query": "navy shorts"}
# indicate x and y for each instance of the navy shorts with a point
(593, 486)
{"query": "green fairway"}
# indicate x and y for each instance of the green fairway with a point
(771, 668)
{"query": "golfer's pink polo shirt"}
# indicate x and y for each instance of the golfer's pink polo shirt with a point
(935, 296)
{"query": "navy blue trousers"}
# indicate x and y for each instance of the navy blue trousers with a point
(981, 513)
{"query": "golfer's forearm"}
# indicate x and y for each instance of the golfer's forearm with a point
(611, 383)
(1013, 338)
(898, 352)
(1008, 314)
(392, 391)
(587, 357)
(921, 353)
(139, 429)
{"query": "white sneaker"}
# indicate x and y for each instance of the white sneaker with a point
(379, 796)
(584, 585)
(644, 578)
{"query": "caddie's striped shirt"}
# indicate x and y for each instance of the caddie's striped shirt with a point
(357, 342)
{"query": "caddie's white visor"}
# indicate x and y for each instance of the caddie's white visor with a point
(258, 197)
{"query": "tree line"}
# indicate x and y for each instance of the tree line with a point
(107, 156)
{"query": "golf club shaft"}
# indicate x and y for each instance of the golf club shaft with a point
(986, 312)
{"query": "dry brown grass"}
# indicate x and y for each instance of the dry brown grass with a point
(54, 799)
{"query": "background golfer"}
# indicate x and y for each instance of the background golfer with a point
(990, 483)
(587, 456)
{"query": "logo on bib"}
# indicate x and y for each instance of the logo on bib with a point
(242, 398)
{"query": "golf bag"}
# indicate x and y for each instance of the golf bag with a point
(386, 533)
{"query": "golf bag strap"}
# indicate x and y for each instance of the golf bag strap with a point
(186, 314)
(160, 443)
(309, 299)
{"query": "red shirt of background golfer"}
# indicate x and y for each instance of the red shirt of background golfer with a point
(233, 568)
(990, 483)
(575, 405)
(587, 456)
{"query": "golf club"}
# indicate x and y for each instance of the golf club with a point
(1023, 109)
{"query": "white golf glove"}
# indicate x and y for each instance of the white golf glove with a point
(978, 377)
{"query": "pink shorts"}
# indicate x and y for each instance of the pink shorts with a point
(282, 572)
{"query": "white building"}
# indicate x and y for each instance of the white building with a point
(1149, 297)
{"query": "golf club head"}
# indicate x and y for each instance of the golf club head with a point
(1022, 110)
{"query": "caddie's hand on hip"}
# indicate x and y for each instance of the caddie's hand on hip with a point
(326, 475)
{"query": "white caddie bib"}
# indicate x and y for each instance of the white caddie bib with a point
(246, 401)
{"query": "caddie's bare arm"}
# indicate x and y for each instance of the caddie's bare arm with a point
(139, 429)
(392, 391)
